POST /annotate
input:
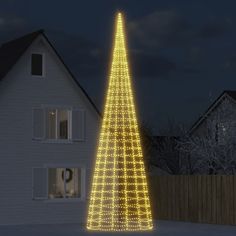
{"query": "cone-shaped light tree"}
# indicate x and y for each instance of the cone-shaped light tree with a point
(119, 198)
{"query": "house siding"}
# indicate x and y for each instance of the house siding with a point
(19, 153)
(211, 134)
(225, 111)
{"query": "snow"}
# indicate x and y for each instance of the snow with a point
(163, 228)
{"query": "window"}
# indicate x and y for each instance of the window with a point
(226, 132)
(58, 183)
(58, 122)
(37, 64)
(64, 183)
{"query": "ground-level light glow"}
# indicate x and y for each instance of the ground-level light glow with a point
(119, 199)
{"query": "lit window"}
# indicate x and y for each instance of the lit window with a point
(37, 64)
(223, 128)
(222, 133)
(64, 183)
(58, 124)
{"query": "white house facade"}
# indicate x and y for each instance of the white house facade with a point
(48, 137)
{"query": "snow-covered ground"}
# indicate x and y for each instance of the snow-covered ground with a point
(163, 228)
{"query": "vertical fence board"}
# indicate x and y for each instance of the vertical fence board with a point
(160, 214)
(226, 199)
(158, 196)
(209, 199)
(192, 194)
(170, 197)
(214, 212)
(177, 202)
(153, 189)
(182, 198)
(234, 203)
(173, 199)
(164, 198)
(223, 204)
(204, 199)
(231, 200)
(177, 198)
(218, 199)
(195, 199)
(187, 198)
(201, 198)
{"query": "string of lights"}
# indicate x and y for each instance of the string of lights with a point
(119, 198)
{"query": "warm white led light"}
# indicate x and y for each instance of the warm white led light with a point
(119, 198)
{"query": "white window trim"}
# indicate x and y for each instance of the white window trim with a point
(43, 64)
(83, 182)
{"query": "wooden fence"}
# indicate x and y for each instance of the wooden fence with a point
(203, 199)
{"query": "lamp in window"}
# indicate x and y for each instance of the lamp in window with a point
(119, 199)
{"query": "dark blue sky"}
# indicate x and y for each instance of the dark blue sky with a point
(182, 53)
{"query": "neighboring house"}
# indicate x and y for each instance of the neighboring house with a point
(219, 121)
(48, 136)
(211, 147)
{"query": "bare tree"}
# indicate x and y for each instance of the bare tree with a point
(204, 155)
(211, 149)
(167, 156)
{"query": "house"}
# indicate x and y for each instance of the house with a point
(49, 128)
(219, 120)
(212, 143)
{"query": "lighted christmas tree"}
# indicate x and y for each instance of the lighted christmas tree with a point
(119, 198)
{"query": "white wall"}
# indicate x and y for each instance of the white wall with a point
(19, 93)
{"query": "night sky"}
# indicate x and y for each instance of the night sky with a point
(182, 52)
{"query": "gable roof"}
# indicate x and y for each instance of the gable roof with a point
(10, 53)
(226, 93)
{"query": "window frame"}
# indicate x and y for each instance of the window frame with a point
(64, 199)
(69, 113)
(43, 64)
(72, 128)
